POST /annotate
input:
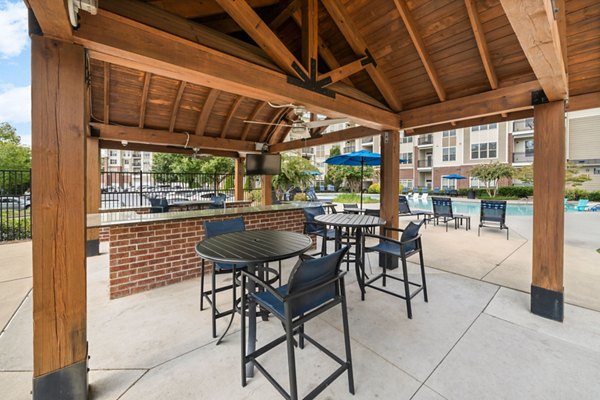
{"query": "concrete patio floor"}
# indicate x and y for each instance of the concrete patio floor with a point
(475, 339)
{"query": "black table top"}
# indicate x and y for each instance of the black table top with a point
(350, 220)
(253, 246)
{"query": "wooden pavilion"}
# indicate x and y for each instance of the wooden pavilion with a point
(184, 75)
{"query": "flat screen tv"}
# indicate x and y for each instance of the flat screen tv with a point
(263, 164)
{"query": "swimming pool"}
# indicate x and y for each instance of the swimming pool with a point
(471, 207)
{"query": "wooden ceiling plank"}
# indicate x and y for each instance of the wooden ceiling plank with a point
(537, 30)
(199, 9)
(144, 99)
(176, 106)
(481, 43)
(359, 46)
(310, 35)
(472, 122)
(53, 18)
(124, 42)
(415, 36)
(153, 148)
(269, 128)
(206, 110)
(292, 8)
(254, 26)
(252, 117)
(133, 134)
(332, 137)
(106, 94)
(507, 99)
(231, 114)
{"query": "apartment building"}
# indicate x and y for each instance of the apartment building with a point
(125, 161)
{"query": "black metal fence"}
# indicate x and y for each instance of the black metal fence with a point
(134, 189)
(15, 205)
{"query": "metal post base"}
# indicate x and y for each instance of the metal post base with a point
(92, 247)
(547, 303)
(68, 383)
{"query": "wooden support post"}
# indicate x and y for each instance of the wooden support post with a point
(266, 190)
(93, 195)
(390, 181)
(239, 179)
(58, 214)
(548, 210)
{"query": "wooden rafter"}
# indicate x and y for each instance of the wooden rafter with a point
(206, 110)
(254, 26)
(489, 119)
(481, 43)
(345, 71)
(198, 9)
(176, 106)
(359, 46)
(292, 8)
(132, 134)
(125, 42)
(270, 128)
(538, 33)
(153, 148)
(310, 34)
(53, 18)
(231, 115)
(332, 137)
(415, 36)
(144, 98)
(106, 94)
(252, 117)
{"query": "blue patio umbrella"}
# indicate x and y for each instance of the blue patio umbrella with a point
(454, 176)
(357, 159)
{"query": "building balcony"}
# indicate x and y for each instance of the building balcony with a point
(426, 140)
(425, 164)
(519, 158)
(588, 161)
(368, 140)
(523, 126)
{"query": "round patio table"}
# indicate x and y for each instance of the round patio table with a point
(253, 248)
(356, 223)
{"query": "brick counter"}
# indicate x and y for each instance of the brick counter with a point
(147, 255)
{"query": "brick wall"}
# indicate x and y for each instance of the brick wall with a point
(148, 255)
(104, 234)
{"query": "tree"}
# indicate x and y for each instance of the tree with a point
(491, 173)
(13, 157)
(165, 165)
(337, 175)
(218, 165)
(524, 174)
(295, 171)
(8, 134)
(573, 177)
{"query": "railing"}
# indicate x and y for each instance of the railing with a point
(425, 164)
(589, 161)
(522, 157)
(523, 125)
(133, 189)
(15, 205)
(367, 140)
(426, 140)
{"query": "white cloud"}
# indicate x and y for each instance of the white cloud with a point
(13, 23)
(15, 104)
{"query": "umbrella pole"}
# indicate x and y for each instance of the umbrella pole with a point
(362, 166)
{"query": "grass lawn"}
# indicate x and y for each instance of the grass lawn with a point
(354, 198)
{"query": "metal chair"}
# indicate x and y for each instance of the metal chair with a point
(493, 211)
(404, 209)
(315, 286)
(218, 201)
(408, 245)
(312, 227)
(348, 206)
(158, 205)
(442, 208)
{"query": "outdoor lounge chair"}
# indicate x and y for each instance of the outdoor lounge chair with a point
(582, 205)
(314, 286)
(404, 209)
(311, 227)
(493, 211)
(218, 201)
(452, 192)
(442, 208)
(408, 245)
(158, 205)
(350, 206)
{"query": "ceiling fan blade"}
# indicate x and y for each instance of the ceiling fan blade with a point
(326, 122)
(263, 123)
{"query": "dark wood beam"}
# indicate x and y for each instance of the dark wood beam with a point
(106, 94)
(268, 129)
(292, 7)
(466, 123)
(198, 9)
(166, 138)
(53, 18)
(343, 21)
(481, 43)
(252, 117)
(584, 101)
(206, 110)
(332, 137)
(507, 99)
(537, 30)
(239, 179)
(310, 35)
(155, 148)
(390, 178)
(144, 98)
(415, 36)
(231, 115)
(176, 103)
(128, 43)
(256, 28)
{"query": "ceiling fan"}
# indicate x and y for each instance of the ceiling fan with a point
(299, 125)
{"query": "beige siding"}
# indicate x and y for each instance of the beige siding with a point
(584, 138)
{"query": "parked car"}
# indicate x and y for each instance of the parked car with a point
(13, 203)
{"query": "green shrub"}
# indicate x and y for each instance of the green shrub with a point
(256, 195)
(300, 197)
(13, 229)
(375, 188)
(353, 198)
(515, 191)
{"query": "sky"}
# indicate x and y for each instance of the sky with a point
(15, 76)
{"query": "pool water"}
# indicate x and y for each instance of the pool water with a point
(470, 207)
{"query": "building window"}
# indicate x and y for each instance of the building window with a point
(113, 162)
(126, 162)
(476, 183)
(449, 154)
(484, 127)
(596, 171)
(406, 139)
(406, 183)
(523, 125)
(113, 153)
(451, 133)
(484, 142)
(349, 147)
(320, 151)
(407, 158)
(449, 183)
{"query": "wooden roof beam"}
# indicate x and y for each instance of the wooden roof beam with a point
(359, 46)
(144, 99)
(132, 134)
(481, 43)
(109, 37)
(310, 35)
(508, 99)
(332, 137)
(269, 128)
(252, 117)
(199, 9)
(489, 119)
(106, 94)
(231, 115)
(345, 71)
(176, 106)
(207, 107)
(289, 10)
(415, 36)
(254, 26)
(52, 16)
(537, 30)
(153, 148)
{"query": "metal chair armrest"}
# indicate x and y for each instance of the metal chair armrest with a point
(263, 284)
